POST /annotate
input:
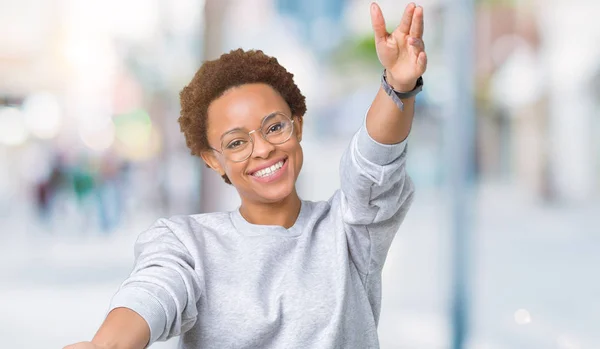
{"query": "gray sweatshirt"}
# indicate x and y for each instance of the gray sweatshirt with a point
(220, 282)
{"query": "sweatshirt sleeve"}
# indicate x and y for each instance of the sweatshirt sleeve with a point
(163, 287)
(376, 193)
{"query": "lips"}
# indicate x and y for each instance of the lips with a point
(267, 165)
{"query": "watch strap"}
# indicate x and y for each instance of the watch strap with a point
(398, 96)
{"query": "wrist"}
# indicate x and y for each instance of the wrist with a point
(398, 95)
(399, 86)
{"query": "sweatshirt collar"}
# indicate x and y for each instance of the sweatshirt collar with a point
(248, 229)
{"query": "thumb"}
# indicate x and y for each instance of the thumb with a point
(378, 23)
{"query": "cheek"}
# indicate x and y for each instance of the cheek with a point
(298, 157)
(234, 169)
(300, 161)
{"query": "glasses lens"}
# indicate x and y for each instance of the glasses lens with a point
(237, 146)
(277, 128)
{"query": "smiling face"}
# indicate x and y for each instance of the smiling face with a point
(270, 172)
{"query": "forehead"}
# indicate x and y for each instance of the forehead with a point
(243, 107)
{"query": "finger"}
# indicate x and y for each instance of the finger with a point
(422, 62)
(378, 23)
(416, 26)
(418, 44)
(405, 22)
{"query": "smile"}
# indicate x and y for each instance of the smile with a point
(269, 171)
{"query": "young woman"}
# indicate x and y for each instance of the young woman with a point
(279, 272)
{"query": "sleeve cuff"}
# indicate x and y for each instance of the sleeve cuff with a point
(375, 152)
(146, 305)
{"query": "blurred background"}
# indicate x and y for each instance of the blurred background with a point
(91, 155)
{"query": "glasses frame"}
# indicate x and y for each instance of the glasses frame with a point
(262, 124)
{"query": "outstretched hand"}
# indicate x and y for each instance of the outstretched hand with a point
(84, 345)
(402, 53)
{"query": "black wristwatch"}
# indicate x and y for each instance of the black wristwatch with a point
(397, 97)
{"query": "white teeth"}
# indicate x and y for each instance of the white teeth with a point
(267, 171)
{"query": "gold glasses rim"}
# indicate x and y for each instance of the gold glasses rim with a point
(291, 118)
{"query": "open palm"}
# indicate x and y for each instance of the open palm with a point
(402, 52)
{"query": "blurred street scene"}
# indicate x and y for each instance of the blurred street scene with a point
(91, 155)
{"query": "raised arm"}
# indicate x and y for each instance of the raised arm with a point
(402, 54)
(376, 191)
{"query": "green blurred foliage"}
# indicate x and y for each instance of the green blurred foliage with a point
(356, 50)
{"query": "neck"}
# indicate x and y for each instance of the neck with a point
(283, 213)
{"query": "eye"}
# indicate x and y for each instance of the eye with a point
(237, 143)
(275, 127)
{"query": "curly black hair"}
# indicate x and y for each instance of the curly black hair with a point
(215, 77)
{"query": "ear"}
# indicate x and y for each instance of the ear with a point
(211, 160)
(298, 124)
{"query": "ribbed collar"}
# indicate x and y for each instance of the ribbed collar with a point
(248, 229)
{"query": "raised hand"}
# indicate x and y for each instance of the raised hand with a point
(402, 53)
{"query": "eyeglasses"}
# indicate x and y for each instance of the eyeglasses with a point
(237, 145)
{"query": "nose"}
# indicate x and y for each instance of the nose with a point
(262, 148)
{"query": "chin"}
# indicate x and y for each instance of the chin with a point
(276, 193)
(270, 193)
(279, 197)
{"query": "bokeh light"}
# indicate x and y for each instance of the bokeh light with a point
(98, 135)
(137, 139)
(13, 131)
(522, 317)
(43, 115)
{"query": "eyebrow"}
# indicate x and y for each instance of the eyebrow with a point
(232, 130)
(242, 129)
